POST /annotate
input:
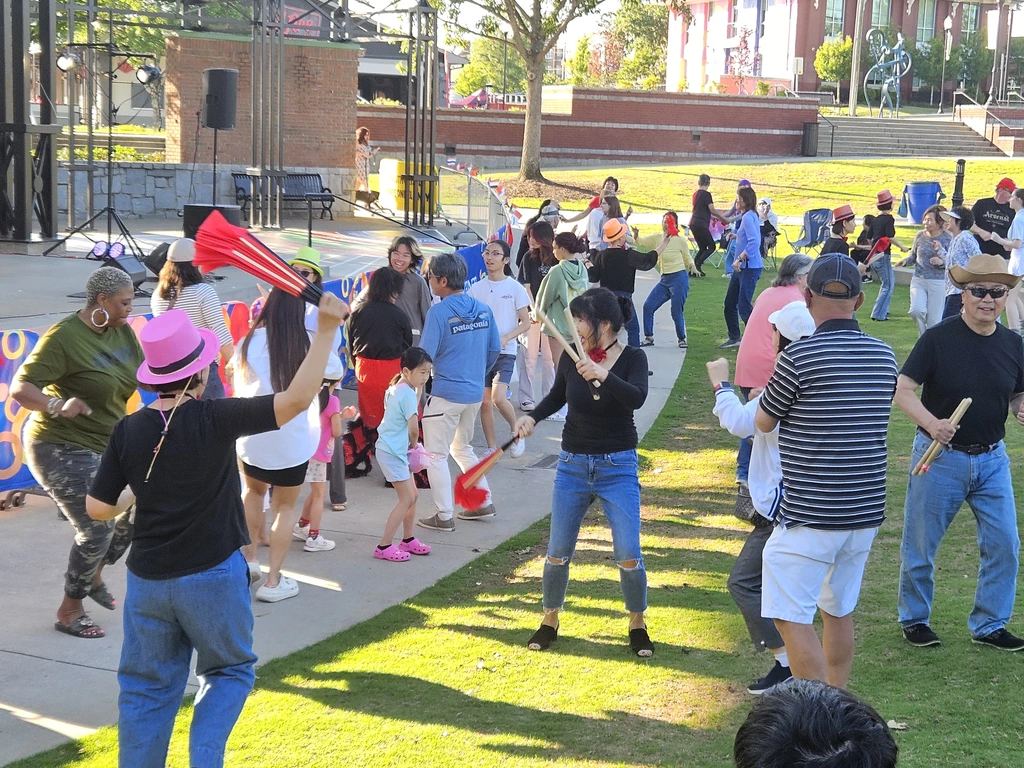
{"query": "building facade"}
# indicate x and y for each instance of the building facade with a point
(790, 32)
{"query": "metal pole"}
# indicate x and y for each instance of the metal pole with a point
(504, 70)
(407, 168)
(958, 184)
(992, 77)
(431, 203)
(858, 41)
(71, 84)
(110, 125)
(1006, 56)
(90, 98)
(213, 201)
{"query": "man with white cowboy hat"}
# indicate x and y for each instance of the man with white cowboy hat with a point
(187, 580)
(970, 355)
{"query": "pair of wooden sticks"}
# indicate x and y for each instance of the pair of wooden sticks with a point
(573, 355)
(933, 450)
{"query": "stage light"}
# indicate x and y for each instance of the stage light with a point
(100, 249)
(68, 61)
(116, 250)
(148, 74)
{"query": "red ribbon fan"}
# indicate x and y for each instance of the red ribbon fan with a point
(220, 244)
(467, 495)
(878, 248)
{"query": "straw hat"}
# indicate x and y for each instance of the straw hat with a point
(174, 348)
(983, 268)
(308, 257)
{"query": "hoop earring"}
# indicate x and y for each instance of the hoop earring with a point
(106, 317)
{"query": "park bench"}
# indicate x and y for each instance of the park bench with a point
(298, 188)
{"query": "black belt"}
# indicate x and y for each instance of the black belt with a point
(976, 449)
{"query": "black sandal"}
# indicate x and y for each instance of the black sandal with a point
(102, 596)
(641, 643)
(543, 638)
(83, 627)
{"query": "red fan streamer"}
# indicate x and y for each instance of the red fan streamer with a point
(467, 495)
(220, 244)
(879, 247)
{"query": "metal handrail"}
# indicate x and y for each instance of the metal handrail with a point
(832, 133)
(988, 113)
(435, 235)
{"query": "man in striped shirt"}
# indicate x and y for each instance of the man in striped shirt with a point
(830, 395)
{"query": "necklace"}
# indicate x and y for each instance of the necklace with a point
(598, 355)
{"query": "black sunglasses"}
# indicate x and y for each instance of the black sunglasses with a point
(305, 273)
(996, 293)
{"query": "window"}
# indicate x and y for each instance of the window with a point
(880, 13)
(833, 19)
(970, 17)
(925, 20)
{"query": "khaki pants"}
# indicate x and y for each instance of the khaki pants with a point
(448, 428)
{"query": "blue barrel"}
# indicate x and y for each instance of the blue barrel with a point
(920, 196)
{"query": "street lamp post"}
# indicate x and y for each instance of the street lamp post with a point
(947, 44)
(993, 35)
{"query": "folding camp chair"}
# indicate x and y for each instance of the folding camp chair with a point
(814, 230)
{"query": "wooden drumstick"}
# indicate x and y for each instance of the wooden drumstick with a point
(595, 384)
(556, 335)
(933, 450)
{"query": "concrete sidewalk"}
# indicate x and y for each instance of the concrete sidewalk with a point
(54, 687)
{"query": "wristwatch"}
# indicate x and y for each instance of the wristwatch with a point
(722, 385)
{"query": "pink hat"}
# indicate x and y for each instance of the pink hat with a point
(884, 198)
(174, 348)
(842, 213)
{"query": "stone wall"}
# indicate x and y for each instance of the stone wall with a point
(160, 190)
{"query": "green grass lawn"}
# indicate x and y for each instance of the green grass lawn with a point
(445, 678)
(794, 187)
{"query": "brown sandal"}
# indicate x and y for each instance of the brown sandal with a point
(83, 627)
(102, 596)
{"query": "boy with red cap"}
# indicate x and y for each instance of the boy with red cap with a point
(884, 226)
(993, 216)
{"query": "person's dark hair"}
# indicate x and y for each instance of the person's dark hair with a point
(614, 207)
(412, 358)
(809, 724)
(536, 217)
(885, 207)
(791, 268)
(613, 180)
(599, 305)
(451, 267)
(570, 242)
(173, 387)
(283, 316)
(412, 245)
(966, 217)
(385, 285)
(506, 251)
(703, 180)
(935, 210)
(325, 393)
(362, 134)
(839, 227)
(176, 276)
(748, 197)
(869, 219)
(1018, 193)
(544, 236)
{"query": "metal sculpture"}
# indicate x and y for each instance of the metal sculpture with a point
(891, 64)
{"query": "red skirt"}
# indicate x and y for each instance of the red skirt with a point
(374, 377)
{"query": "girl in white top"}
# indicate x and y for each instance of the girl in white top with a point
(265, 363)
(183, 287)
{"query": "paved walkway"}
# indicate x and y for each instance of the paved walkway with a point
(54, 688)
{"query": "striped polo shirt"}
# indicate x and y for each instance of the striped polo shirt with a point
(832, 394)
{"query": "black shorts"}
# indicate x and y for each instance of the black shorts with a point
(282, 478)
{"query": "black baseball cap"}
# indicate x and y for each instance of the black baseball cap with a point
(834, 276)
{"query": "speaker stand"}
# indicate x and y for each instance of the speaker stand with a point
(214, 200)
(130, 244)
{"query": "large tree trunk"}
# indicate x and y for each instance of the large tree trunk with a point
(529, 166)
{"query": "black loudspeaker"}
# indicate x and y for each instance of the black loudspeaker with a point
(195, 214)
(128, 263)
(220, 97)
(156, 260)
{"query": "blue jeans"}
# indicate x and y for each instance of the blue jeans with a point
(672, 287)
(882, 266)
(933, 500)
(633, 324)
(739, 298)
(746, 448)
(214, 386)
(209, 611)
(612, 478)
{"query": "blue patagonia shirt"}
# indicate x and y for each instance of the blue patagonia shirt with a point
(461, 335)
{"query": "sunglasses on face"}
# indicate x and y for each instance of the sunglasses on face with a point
(305, 273)
(980, 293)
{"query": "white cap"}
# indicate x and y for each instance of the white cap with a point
(793, 321)
(182, 250)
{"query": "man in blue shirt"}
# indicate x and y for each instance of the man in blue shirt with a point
(461, 335)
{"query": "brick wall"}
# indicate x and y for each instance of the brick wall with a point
(597, 126)
(319, 103)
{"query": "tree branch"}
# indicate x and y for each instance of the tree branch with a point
(569, 16)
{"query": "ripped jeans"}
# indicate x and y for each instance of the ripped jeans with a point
(66, 472)
(612, 478)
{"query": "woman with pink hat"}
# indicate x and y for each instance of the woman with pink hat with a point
(884, 225)
(844, 222)
(187, 580)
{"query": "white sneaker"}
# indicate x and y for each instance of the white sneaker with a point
(285, 588)
(557, 416)
(300, 533)
(319, 544)
(518, 448)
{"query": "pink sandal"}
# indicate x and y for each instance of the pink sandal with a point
(392, 553)
(414, 547)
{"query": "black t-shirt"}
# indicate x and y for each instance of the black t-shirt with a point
(531, 273)
(615, 268)
(953, 362)
(701, 213)
(993, 217)
(883, 226)
(189, 516)
(598, 426)
(379, 330)
(835, 244)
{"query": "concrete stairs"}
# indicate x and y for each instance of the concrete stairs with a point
(905, 137)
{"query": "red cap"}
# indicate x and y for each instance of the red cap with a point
(1007, 184)
(884, 198)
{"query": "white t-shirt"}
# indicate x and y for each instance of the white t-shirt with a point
(505, 298)
(594, 222)
(334, 369)
(293, 443)
(1017, 233)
